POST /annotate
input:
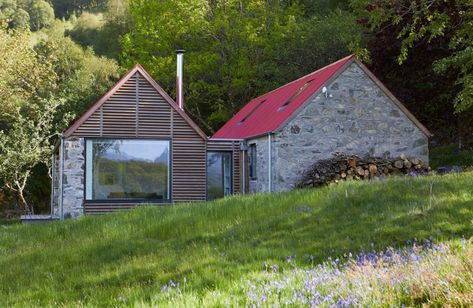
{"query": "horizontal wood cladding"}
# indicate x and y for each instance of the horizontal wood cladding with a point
(189, 181)
(94, 208)
(234, 147)
(138, 110)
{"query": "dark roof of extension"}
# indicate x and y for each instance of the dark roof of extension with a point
(266, 113)
(137, 68)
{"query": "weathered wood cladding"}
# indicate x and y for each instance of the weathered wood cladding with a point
(137, 110)
(234, 147)
(94, 208)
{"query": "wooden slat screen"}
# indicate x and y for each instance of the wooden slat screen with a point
(189, 168)
(137, 110)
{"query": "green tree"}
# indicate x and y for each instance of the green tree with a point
(429, 21)
(26, 14)
(64, 8)
(82, 76)
(20, 20)
(41, 85)
(41, 14)
(102, 31)
(26, 144)
(236, 50)
(23, 73)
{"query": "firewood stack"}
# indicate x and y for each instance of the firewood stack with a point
(351, 167)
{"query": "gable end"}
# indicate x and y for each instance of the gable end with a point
(378, 83)
(135, 107)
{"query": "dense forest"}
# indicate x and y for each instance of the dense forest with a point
(58, 56)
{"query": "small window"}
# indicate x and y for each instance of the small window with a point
(252, 161)
(251, 112)
(298, 92)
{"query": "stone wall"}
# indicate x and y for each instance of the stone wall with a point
(356, 117)
(55, 186)
(73, 178)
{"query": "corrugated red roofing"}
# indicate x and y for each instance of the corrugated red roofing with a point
(264, 114)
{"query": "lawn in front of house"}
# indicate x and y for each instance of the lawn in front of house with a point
(126, 258)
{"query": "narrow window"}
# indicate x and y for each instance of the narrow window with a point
(251, 112)
(293, 97)
(252, 161)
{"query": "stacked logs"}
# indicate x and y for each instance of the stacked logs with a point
(351, 167)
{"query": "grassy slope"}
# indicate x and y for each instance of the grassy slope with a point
(102, 259)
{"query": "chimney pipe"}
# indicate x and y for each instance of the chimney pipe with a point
(179, 84)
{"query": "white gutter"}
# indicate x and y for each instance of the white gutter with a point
(243, 175)
(61, 180)
(269, 163)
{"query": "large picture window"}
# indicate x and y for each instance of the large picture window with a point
(127, 169)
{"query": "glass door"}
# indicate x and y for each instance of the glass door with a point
(219, 174)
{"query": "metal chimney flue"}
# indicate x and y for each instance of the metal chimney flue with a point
(179, 75)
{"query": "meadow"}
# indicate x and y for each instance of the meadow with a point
(211, 253)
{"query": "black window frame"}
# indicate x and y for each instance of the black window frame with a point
(129, 200)
(252, 161)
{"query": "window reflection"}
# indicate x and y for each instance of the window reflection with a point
(219, 174)
(127, 169)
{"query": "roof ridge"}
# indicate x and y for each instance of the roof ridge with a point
(307, 75)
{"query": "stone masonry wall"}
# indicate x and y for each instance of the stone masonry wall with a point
(357, 117)
(55, 186)
(73, 178)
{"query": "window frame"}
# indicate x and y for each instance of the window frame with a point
(252, 161)
(230, 153)
(129, 200)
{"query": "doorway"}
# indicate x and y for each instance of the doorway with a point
(219, 174)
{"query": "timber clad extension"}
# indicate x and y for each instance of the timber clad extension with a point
(137, 108)
(137, 145)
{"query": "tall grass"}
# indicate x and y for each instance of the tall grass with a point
(437, 275)
(125, 258)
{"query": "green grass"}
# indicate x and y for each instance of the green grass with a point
(448, 156)
(8, 221)
(125, 258)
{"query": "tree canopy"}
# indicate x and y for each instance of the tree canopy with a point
(236, 49)
(449, 23)
(45, 79)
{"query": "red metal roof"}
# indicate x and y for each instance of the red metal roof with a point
(264, 114)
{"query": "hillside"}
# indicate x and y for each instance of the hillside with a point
(126, 258)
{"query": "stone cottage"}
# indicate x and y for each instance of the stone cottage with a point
(342, 107)
(137, 145)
